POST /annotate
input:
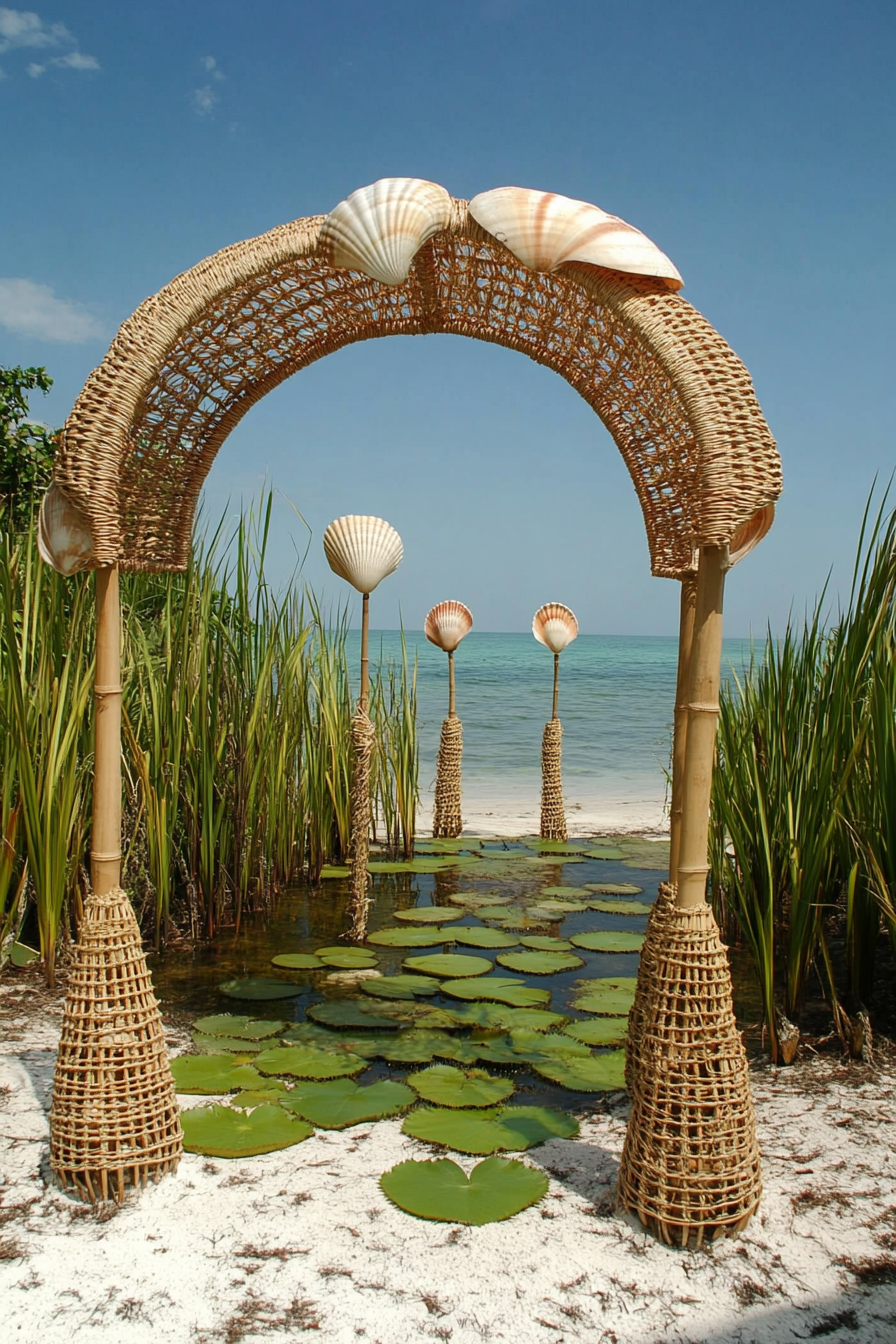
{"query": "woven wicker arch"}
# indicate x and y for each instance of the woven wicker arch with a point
(194, 358)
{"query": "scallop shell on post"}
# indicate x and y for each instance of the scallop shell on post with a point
(380, 229)
(544, 230)
(750, 533)
(64, 539)
(363, 550)
(446, 625)
(554, 626)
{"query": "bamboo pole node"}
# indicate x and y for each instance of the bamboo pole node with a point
(114, 1119)
(553, 817)
(363, 743)
(447, 820)
(690, 1166)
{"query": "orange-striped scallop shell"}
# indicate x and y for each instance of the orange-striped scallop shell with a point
(750, 533)
(554, 626)
(446, 625)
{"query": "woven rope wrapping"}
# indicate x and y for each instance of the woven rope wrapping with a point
(363, 742)
(114, 1119)
(690, 1166)
(553, 818)
(193, 359)
(446, 818)
(654, 941)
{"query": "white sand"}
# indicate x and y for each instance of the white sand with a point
(519, 814)
(227, 1251)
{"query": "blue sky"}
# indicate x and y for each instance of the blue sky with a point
(753, 143)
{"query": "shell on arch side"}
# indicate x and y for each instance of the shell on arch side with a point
(379, 229)
(64, 539)
(555, 626)
(749, 534)
(446, 624)
(544, 229)
(363, 550)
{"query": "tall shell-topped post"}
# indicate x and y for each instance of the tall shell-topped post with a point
(445, 626)
(380, 229)
(555, 626)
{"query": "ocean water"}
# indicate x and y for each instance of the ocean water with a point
(616, 706)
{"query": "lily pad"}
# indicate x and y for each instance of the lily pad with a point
(496, 1189)
(426, 864)
(564, 893)
(477, 898)
(611, 997)
(307, 1061)
(499, 1017)
(447, 845)
(450, 964)
(608, 941)
(476, 937)
(269, 1095)
(546, 1046)
(621, 907)
(260, 987)
(539, 963)
(543, 942)
(598, 1030)
(333, 870)
(511, 1128)
(221, 1131)
(605, 852)
(445, 1085)
(557, 907)
(400, 986)
(212, 1075)
(229, 1024)
(347, 961)
(500, 912)
(341, 1103)
(309, 1033)
(515, 993)
(429, 914)
(343, 950)
(597, 1073)
(410, 937)
(297, 961)
(231, 1045)
(348, 1013)
(415, 1014)
(20, 954)
(414, 1047)
(615, 888)
(558, 846)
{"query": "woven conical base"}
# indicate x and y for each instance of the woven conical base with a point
(654, 940)
(690, 1166)
(446, 818)
(114, 1120)
(553, 818)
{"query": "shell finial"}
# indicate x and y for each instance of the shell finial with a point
(64, 540)
(554, 626)
(446, 625)
(379, 229)
(544, 230)
(363, 550)
(750, 533)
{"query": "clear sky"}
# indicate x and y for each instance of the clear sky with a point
(753, 142)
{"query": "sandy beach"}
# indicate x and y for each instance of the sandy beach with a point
(303, 1240)
(518, 813)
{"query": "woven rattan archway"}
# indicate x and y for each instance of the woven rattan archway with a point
(586, 295)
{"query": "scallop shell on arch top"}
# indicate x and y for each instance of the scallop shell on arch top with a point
(379, 229)
(544, 230)
(363, 550)
(446, 625)
(63, 536)
(554, 626)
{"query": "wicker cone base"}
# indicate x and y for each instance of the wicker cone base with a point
(654, 941)
(363, 741)
(114, 1119)
(553, 818)
(690, 1166)
(446, 818)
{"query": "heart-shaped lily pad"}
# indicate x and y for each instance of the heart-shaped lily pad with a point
(348, 961)
(269, 1095)
(450, 964)
(543, 942)
(212, 1075)
(597, 1073)
(515, 993)
(229, 1024)
(500, 912)
(307, 1061)
(445, 1085)
(476, 937)
(410, 937)
(608, 941)
(400, 986)
(341, 1103)
(429, 914)
(498, 1017)
(620, 907)
(615, 888)
(260, 987)
(598, 1030)
(511, 1128)
(546, 1045)
(539, 963)
(612, 997)
(220, 1131)
(297, 961)
(496, 1189)
(349, 1013)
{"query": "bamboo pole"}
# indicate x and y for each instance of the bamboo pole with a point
(556, 684)
(452, 713)
(365, 667)
(680, 730)
(105, 845)
(703, 713)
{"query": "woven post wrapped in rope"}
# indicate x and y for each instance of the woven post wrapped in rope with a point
(654, 940)
(363, 741)
(553, 818)
(446, 818)
(114, 1119)
(690, 1166)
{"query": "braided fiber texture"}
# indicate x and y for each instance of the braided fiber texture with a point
(193, 359)
(446, 818)
(553, 818)
(654, 941)
(363, 742)
(114, 1119)
(690, 1165)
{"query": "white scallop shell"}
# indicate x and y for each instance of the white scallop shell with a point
(362, 550)
(554, 625)
(750, 533)
(379, 229)
(446, 625)
(544, 230)
(64, 539)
